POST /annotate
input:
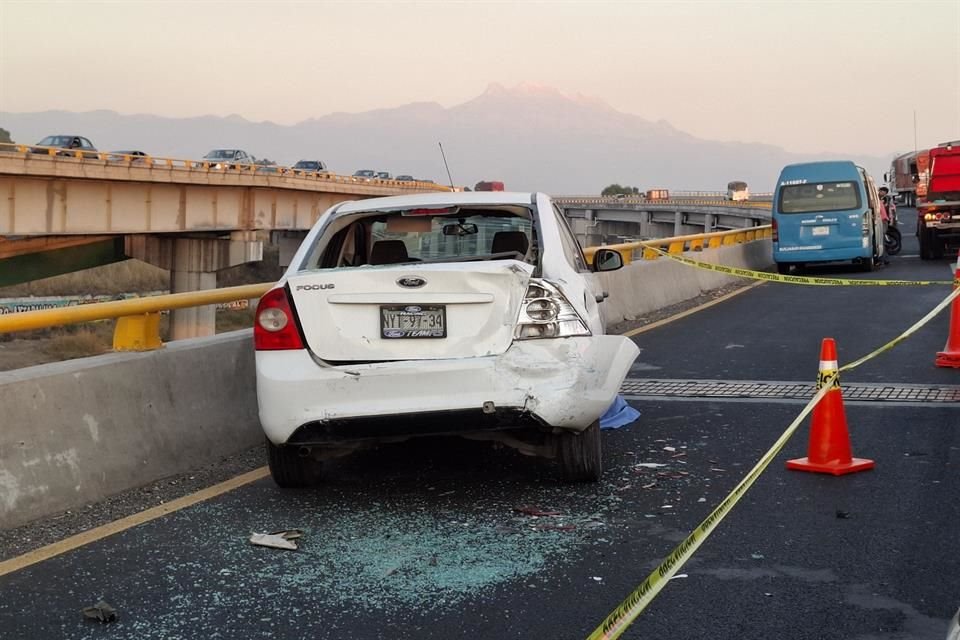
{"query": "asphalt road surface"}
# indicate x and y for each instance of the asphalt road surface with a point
(440, 538)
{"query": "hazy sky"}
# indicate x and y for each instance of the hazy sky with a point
(809, 76)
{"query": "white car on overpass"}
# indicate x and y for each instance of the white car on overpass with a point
(471, 314)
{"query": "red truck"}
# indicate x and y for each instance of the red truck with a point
(938, 215)
(908, 176)
(488, 186)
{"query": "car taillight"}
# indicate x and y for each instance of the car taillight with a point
(775, 230)
(275, 328)
(546, 313)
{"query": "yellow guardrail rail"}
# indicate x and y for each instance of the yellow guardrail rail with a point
(147, 161)
(678, 244)
(138, 319)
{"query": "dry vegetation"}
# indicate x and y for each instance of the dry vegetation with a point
(129, 276)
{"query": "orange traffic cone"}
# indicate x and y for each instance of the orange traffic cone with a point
(829, 448)
(950, 356)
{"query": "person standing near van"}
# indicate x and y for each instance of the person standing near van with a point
(884, 194)
(884, 201)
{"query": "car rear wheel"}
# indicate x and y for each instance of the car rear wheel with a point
(783, 268)
(580, 454)
(289, 469)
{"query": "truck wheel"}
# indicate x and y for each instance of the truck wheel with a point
(783, 268)
(926, 244)
(289, 469)
(936, 245)
(580, 454)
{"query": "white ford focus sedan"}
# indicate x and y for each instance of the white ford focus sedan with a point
(471, 314)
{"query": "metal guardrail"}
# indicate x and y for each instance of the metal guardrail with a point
(762, 201)
(632, 251)
(138, 320)
(151, 162)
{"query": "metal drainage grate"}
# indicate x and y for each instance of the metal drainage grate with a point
(784, 390)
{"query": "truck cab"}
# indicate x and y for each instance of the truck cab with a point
(938, 216)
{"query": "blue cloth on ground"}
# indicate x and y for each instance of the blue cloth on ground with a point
(618, 415)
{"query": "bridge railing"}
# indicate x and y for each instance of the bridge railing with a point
(114, 158)
(138, 319)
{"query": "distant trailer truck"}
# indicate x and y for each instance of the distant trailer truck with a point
(488, 186)
(737, 191)
(658, 194)
(938, 215)
(909, 176)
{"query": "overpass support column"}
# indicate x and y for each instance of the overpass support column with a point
(707, 222)
(193, 264)
(678, 223)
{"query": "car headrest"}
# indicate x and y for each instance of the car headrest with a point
(504, 241)
(388, 252)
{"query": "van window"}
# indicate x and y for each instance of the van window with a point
(819, 196)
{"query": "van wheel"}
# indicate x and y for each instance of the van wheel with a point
(868, 264)
(289, 469)
(580, 454)
(783, 268)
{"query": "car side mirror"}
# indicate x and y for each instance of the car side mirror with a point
(607, 260)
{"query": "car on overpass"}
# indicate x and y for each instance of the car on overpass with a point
(310, 166)
(471, 314)
(227, 158)
(384, 175)
(72, 145)
(403, 177)
(364, 174)
(131, 155)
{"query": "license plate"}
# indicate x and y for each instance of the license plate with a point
(413, 321)
(821, 231)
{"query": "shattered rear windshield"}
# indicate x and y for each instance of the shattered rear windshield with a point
(405, 237)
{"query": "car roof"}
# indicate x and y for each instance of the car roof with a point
(821, 171)
(439, 199)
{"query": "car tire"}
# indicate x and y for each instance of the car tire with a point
(580, 454)
(783, 268)
(289, 469)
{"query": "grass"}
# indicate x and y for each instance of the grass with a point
(130, 276)
(79, 342)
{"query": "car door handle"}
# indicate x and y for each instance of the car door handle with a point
(602, 296)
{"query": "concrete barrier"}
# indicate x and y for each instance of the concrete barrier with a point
(647, 285)
(75, 432)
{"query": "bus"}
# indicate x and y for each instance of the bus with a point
(737, 191)
(826, 212)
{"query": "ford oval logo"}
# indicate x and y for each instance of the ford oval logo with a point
(413, 309)
(411, 282)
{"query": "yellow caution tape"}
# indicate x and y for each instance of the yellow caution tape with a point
(623, 616)
(805, 280)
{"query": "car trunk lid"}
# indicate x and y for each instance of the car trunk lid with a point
(410, 311)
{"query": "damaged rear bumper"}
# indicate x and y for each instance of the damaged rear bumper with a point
(564, 383)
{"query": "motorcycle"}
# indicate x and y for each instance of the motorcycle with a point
(892, 240)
